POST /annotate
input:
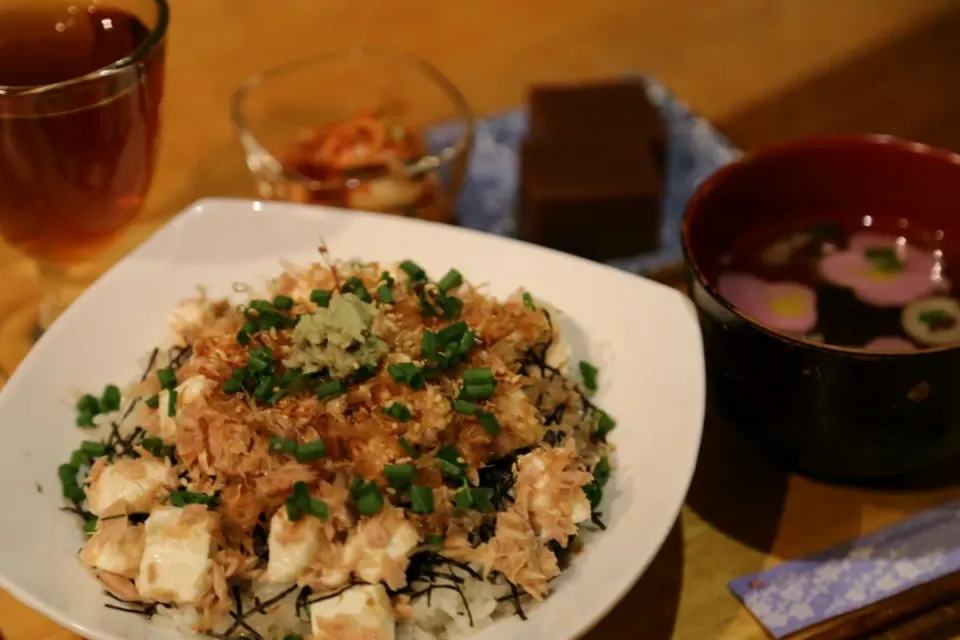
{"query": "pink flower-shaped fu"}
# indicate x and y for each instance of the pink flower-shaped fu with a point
(788, 306)
(883, 271)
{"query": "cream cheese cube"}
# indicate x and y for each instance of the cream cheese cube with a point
(292, 545)
(176, 558)
(116, 547)
(129, 485)
(361, 611)
(369, 559)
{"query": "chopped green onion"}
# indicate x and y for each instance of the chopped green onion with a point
(409, 448)
(167, 378)
(282, 445)
(428, 343)
(260, 306)
(387, 278)
(153, 401)
(451, 307)
(450, 280)
(248, 327)
(481, 498)
(85, 419)
(262, 352)
(434, 541)
(90, 526)
(93, 449)
(154, 446)
(465, 408)
(317, 508)
(605, 424)
(489, 423)
(477, 391)
(477, 498)
(414, 271)
(74, 494)
(385, 294)
(257, 365)
(528, 301)
(320, 297)
(88, 404)
(232, 386)
(397, 411)
(264, 388)
(479, 376)
(276, 397)
(298, 502)
(451, 333)
(463, 499)
(427, 310)
(290, 377)
(369, 501)
(601, 472)
(466, 343)
(407, 373)
(400, 475)
(421, 499)
(594, 494)
(284, 303)
(67, 474)
(451, 462)
(239, 374)
(310, 451)
(78, 458)
(330, 389)
(110, 401)
(589, 374)
(243, 338)
(184, 498)
(355, 286)
(172, 402)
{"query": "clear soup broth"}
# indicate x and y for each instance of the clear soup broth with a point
(861, 281)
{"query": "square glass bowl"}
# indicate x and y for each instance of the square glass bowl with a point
(318, 129)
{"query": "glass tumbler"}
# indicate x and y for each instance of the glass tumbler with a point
(80, 90)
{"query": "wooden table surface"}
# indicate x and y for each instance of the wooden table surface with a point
(763, 70)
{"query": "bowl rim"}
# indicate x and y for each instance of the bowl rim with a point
(426, 164)
(779, 150)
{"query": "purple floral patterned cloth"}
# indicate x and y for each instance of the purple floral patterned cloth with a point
(801, 593)
(488, 201)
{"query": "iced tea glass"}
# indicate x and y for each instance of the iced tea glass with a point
(80, 91)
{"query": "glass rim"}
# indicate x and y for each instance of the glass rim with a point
(424, 165)
(149, 43)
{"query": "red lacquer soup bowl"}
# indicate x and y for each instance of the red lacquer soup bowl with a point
(839, 409)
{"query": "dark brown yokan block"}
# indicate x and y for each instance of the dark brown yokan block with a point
(596, 198)
(609, 109)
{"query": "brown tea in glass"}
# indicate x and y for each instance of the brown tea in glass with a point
(80, 91)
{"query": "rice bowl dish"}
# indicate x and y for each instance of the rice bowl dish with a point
(357, 452)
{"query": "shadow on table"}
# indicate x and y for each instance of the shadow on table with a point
(735, 488)
(906, 86)
(649, 611)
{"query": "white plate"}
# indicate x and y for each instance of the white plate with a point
(643, 336)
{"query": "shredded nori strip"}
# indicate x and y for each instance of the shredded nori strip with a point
(146, 612)
(179, 355)
(302, 600)
(262, 606)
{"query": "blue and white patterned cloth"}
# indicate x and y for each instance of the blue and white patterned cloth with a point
(801, 593)
(489, 198)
